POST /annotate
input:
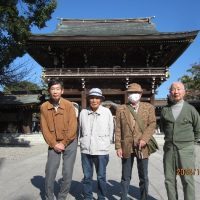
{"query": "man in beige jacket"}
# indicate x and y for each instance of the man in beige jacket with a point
(131, 141)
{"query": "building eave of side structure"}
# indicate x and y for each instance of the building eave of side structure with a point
(19, 102)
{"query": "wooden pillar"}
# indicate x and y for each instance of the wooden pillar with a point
(152, 99)
(125, 97)
(83, 99)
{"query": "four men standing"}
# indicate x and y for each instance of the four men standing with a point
(135, 124)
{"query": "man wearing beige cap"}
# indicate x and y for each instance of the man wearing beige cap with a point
(135, 124)
(95, 130)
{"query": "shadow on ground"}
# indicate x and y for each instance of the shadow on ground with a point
(113, 188)
(76, 189)
(1, 162)
(38, 182)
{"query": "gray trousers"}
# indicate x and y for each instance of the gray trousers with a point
(179, 162)
(52, 165)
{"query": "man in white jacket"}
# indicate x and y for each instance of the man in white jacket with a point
(96, 131)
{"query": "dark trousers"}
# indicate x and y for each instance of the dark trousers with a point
(53, 162)
(142, 166)
(100, 162)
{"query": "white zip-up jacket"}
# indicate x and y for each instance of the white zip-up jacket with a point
(95, 131)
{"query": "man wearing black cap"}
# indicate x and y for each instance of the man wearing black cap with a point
(96, 130)
(131, 138)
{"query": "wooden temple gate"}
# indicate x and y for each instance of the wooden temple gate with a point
(108, 54)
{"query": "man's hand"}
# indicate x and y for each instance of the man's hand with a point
(141, 143)
(59, 147)
(119, 153)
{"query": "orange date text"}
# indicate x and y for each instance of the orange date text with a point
(187, 172)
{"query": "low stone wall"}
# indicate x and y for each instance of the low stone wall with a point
(21, 139)
(37, 138)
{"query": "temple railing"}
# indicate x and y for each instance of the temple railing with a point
(104, 72)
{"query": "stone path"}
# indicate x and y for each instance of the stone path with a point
(22, 175)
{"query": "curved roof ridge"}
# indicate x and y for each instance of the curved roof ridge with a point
(107, 20)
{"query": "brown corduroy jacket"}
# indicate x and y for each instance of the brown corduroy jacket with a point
(127, 132)
(58, 126)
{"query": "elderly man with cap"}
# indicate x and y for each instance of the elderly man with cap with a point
(135, 124)
(95, 130)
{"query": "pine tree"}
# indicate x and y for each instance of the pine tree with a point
(17, 17)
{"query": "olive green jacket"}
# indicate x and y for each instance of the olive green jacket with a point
(127, 131)
(183, 131)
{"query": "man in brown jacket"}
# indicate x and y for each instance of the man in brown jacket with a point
(130, 140)
(59, 126)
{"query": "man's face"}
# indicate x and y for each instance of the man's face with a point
(177, 92)
(55, 92)
(95, 102)
(134, 97)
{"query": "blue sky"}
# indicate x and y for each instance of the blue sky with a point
(170, 16)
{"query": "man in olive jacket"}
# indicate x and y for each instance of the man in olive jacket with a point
(130, 140)
(58, 125)
(180, 123)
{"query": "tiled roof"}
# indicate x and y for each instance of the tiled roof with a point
(107, 27)
(19, 99)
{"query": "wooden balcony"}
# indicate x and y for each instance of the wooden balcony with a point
(95, 72)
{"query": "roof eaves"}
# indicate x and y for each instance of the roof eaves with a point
(158, 36)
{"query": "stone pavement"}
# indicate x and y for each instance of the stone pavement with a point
(22, 175)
